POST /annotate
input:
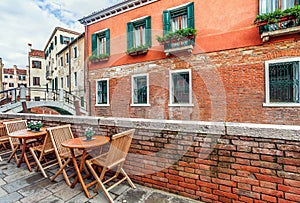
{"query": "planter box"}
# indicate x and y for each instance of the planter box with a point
(134, 53)
(100, 60)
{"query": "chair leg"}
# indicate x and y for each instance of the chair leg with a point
(62, 170)
(89, 164)
(128, 179)
(38, 163)
(13, 154)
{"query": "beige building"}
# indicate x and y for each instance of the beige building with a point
(14, 77)
(59, 38)
(70, 68)
(37, 74)
(1, 67)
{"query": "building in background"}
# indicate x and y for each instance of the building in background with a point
(70, 68)
(37, 74)
(1, 67)
(14, 77)
(59, 39)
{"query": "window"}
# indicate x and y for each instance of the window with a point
(179, 18)
(268, 6)
(5, 76)
(282, 82)
(36, 64)
(140, 90)
(11, 76)
(61, 61)
(62, 82)
(180, 87)
(75, 79)
(55, 40)
(139, 33)
(67, 81)
(100, 42)
(11, 84)
(67, 58)
(22, 77)
(64, 39)
(75, 52)
(36, 80)
(102, 96)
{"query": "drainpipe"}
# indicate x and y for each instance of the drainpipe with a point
(29, 75)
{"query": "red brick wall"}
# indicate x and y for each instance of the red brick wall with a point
(210, 162)
(227, 86)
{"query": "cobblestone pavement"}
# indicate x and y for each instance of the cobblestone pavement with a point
(20, 185)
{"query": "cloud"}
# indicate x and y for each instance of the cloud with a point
(33, 21)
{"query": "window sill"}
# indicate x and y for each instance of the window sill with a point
(140, 105)
(181, 105)
(102, 105)
(281, 104)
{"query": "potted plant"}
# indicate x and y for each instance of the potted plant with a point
(177, 36)
(138, 50)
(89, 133)
(98, 58)
(34, 125)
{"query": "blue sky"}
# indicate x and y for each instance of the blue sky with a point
(32, 21)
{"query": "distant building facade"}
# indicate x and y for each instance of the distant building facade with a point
(14, 77)
(1, 67)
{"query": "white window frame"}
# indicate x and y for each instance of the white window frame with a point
(171, 89)
(267, 82)
(132, 89)
(107, 104)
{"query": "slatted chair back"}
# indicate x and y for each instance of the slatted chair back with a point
(58, 135)
(3, 131)
(119, 148)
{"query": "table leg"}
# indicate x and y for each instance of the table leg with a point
(78, 171)
(23, 155)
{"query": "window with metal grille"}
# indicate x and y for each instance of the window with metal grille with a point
(284, 82)
(268, 6)
(102, 92)
(181, 87)
(140, 89)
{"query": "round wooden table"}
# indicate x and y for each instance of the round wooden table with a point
(25, 135)
(83, 144)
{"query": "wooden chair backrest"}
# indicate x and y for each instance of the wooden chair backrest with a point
(58, 135)
(13, 126)
(119, 148)
(3, 131)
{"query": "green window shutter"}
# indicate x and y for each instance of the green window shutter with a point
(190, 15)
(61, 39)
(129, 35)
(72, 38)
(94, 44)
(298, 2)
(167, 21)
(148, 31)
(107, 36)
(55, 40)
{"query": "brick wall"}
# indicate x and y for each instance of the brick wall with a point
(227, 86)
(207, 161)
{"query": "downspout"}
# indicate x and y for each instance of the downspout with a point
(86, 72)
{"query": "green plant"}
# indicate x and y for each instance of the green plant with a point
(89, 133)
(178, 35)
(137, 49)
(96, 57)
(34, 125)
(276, 15)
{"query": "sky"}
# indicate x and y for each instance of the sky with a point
(24, 22)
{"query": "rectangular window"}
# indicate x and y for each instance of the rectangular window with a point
(75, 79)
(36, 81)
(11, 76)
(67, 58)
(11, 84)
(102, 96)
(140, 90)
(282, 82)
(67, 81)
(101, 42)
(139, 33)
(268, 6)
(64, 39)
(37, 64)
(180, 87)
(5, 76)
(75, 52)
(22, 77)
(62, 83)
(61, 61)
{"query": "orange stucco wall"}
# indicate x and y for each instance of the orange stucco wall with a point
(221, 25)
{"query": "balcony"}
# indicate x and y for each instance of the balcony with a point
(278, 23)
(49, 75)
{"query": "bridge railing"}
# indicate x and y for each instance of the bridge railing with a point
(40, 94)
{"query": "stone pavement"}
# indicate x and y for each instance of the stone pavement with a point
(19, 185)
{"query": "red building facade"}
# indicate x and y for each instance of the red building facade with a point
(145, 61)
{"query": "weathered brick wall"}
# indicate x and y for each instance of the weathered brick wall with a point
(211, 162)
(227, 86)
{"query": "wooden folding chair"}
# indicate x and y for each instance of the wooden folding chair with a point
(43, 150)
(15, 144)
(58, 135)
(113, 161)
(4, 138)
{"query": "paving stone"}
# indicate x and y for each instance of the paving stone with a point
(16, 176)
(2, 182)
(51, 199)
(34, 188)
(37, 196)
(69, 192)
(120, 189)
(132, 196)
(57, 186)
(15, 186)
(2, 192)
(157, 197)
(12, 197)
(100, 198)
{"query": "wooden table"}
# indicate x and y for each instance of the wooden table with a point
(81, 143)
(25, 135)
